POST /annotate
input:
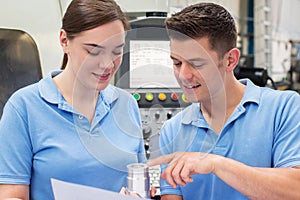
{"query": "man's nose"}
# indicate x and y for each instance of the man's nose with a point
(185, 72)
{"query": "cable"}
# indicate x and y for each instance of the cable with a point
(60, 8)
(272, 82)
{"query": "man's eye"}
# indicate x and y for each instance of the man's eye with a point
(117, 53)
(197, 65)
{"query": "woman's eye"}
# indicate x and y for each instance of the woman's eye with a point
(94, 52)
(177, 64)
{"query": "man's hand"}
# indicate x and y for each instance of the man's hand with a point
(182, 165)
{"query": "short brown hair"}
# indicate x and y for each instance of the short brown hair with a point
(205, 20)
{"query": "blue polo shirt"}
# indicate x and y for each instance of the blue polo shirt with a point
(263, 131)
(43, 137)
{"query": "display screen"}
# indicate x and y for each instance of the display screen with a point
(150, 65)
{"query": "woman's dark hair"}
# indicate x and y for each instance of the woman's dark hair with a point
(83, 15)
(205, 20)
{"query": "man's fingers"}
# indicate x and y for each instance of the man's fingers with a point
(167, 175)
(186, 174)
(161, 160)
(176, 174)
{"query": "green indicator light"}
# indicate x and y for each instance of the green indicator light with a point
(137, 96)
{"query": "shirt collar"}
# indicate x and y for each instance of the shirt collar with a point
(50, 93)
(252, 92)
(48, 89)
(192, 113)
(110, 94)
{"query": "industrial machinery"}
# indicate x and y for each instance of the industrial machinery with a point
(147, 73)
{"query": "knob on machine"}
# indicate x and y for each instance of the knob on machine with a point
(146, 131)
(169, 115)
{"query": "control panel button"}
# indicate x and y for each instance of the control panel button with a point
(184, 98)
(174, 96)
(149, 96)
(169, 115)
(137, 96)
(146, 145)
(146, 131)
(162, 96)
(157, 115)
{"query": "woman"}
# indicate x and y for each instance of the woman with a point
(73, 125)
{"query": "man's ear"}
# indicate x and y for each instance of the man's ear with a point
(63, 40)
(232, 59)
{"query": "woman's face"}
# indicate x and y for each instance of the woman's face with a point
(95, 55)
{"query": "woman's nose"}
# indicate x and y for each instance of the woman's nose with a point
(106, 63)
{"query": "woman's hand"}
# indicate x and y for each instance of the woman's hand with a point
(125, 191)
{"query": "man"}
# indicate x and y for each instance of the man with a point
(237, 140)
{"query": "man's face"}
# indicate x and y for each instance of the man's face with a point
(197, 69)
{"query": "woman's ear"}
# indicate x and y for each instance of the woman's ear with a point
(233, 57)
(63, 40)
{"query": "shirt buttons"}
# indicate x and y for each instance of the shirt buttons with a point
(80, 117)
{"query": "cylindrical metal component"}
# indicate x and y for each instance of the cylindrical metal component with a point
(138, 179)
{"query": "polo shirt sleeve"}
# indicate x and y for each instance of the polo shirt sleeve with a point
(15, 147)
(286, 146)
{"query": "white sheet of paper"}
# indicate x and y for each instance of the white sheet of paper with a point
(70, 191)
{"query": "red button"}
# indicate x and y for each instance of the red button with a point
(174, 96)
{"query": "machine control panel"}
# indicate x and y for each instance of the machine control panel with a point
(152, 121)
(164, 99)
(156, 106)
